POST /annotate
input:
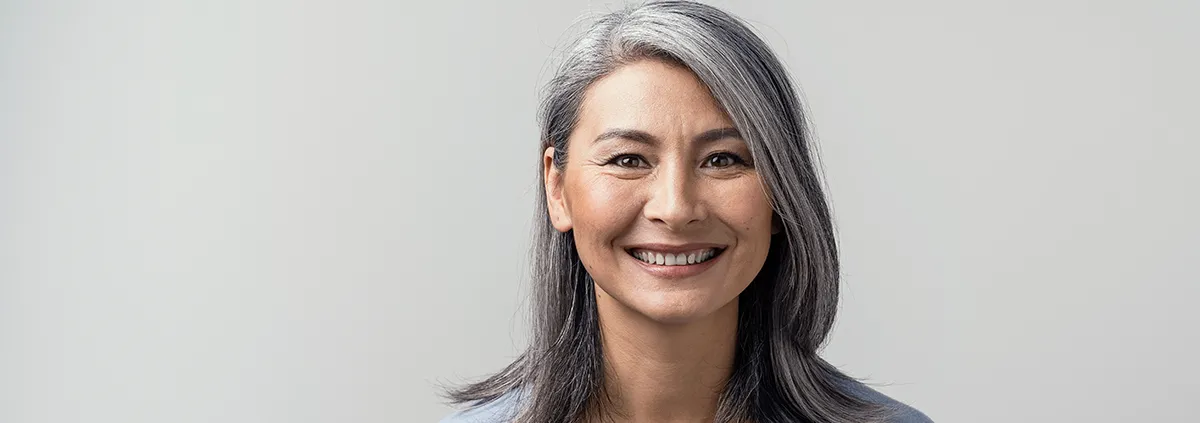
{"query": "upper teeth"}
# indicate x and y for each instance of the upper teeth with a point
(668, 259)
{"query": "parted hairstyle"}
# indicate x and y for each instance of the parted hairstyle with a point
(786, 312)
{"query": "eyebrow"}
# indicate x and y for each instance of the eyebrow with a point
(646, 138)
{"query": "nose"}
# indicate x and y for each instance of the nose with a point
(674, 201)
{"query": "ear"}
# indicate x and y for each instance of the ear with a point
(556, 203)
(776, 224)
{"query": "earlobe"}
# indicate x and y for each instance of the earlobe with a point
(556, 203)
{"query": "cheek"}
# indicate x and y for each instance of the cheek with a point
(600, 208)
(746, 208)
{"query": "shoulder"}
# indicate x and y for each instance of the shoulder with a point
(900, 412)
(502, 410)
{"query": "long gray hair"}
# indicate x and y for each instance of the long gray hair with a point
(784, 314)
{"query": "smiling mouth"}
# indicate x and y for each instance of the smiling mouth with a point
(677, 259)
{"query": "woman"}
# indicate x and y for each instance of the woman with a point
(685, 267)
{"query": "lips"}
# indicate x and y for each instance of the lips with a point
(674, 261)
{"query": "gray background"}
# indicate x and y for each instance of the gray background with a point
(231, 211)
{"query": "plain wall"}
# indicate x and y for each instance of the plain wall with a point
(244, 211)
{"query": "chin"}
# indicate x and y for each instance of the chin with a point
(669, 309)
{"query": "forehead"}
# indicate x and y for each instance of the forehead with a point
(652, 95)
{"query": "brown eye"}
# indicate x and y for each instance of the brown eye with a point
(628, 160)
(723, 160)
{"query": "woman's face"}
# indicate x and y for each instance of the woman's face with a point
(668, 213)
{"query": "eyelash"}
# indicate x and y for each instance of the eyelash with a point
(614, 159)
(737, 160)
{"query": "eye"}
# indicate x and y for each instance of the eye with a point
(631, 161)
(723, 160)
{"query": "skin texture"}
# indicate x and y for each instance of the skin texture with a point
(668, 342)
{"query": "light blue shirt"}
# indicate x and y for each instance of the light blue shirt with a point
(504, 409)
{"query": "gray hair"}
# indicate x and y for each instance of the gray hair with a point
(785, 314)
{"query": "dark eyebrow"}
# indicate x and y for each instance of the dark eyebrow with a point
(645, 137)
(718, 134)
(629, 134)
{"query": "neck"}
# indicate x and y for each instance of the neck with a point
(658, 372)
